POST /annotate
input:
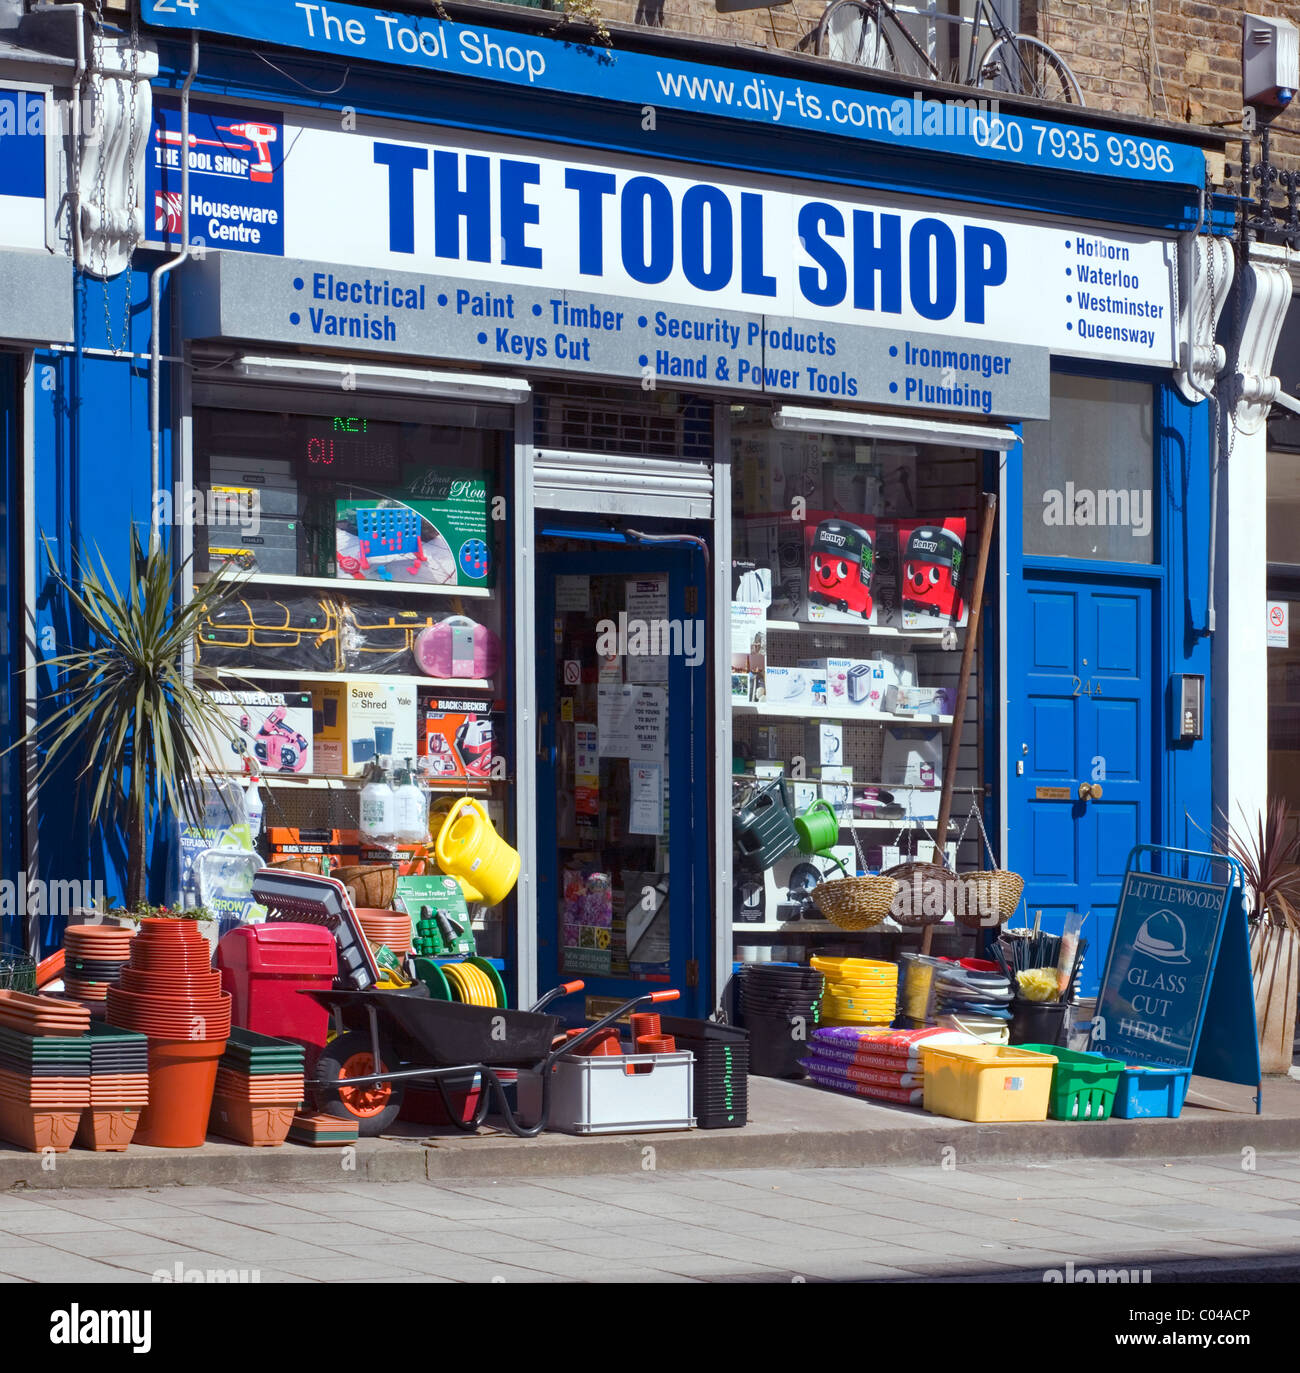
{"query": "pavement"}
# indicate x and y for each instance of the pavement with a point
(792, 1125)
(1079, 1221)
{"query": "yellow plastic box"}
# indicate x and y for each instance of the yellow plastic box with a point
(986, 1082)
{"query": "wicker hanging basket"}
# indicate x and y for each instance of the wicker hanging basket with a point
(989, 898)
(855, 903)
(927, 892)
(369, 885)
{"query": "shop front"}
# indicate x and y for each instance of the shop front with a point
(678, 441)
(35, 307)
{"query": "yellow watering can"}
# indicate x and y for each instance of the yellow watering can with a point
(438, 813)
(470, 850)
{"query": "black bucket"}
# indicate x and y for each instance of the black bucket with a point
(1040, 1022)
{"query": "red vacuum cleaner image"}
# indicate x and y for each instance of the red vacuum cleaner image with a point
(931, 558)
(839, 567)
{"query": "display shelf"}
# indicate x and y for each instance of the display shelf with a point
(353, 584)
(275, 674)
(867, 631)
(797, 712)
(329, 783)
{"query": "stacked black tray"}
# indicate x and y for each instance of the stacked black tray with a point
(781, 1008)
(721, 1091)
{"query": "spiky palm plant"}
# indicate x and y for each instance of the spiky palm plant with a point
(128, 702)
(1267, 853)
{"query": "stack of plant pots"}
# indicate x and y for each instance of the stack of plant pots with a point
(119, 1089)
(259, 1089)
(392, 928)
(44, 1070)
(94, 956)
(170, 993)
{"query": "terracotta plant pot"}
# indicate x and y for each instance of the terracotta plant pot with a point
(1275, 967)
(37, 1128)
(182, 1075)
(656, 1044)
(189, 986)
(644, 1023)
(263, 1125)
(604, 1045)
(108, 1129)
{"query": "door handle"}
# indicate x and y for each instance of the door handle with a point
(1090, 791)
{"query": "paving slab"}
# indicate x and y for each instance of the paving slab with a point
(793, 1125)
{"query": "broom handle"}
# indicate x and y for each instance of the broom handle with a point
(963, 682)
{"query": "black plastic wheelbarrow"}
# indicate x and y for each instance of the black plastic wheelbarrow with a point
(392, 1038)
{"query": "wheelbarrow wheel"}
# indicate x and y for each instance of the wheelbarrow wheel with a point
(372, 1105)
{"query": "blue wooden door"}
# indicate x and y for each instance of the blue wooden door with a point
(623, 872)
(1081, 746)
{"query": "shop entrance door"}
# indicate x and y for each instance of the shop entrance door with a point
(1080, 749)
(622, 802)
(11, 609)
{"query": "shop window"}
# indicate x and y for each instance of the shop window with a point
(370, 636)
(850, 586)
(1089, 488)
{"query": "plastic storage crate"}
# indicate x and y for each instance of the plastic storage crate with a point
(1151, 1092)
(614, 1094)
(1083, 1084)
(986, 1082)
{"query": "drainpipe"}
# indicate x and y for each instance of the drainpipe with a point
(155, 296)
(1208, 394)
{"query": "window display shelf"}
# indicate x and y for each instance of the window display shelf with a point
(275, 674)
(314, 782)
(350, 585)
(933, 636)
(798, 712)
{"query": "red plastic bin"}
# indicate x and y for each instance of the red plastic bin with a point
(265, 968)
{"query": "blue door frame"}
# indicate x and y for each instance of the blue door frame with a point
(690, 914)
(1178, 800)
(12, 711)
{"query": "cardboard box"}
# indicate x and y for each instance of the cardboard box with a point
(789, 686)
(434, 531)
(273, 728)
(356, 722)
(457, 740)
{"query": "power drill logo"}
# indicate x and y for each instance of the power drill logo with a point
(243, 156)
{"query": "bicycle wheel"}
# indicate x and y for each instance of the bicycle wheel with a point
(851, 31)
(1021, 65)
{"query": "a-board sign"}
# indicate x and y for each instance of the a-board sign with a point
(1176, 973)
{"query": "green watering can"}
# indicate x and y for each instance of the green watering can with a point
(818, 829)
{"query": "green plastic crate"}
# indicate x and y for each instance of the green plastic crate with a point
(1083, 1085)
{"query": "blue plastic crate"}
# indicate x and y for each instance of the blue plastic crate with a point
(1146, 1092)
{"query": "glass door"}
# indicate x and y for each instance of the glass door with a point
(622, 803)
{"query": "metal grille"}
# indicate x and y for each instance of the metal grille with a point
(617, 419)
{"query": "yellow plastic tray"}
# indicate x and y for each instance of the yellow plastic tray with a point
(986, 1082)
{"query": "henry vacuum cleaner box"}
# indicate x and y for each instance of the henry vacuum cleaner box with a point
(273, 728)
(359, 721)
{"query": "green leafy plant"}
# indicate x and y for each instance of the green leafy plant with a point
(129, 704)
(1266, 851)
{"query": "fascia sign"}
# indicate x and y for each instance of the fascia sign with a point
(22, 167)
(973, 129)
(734, 280)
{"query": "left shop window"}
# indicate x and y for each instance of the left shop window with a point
(369, 638)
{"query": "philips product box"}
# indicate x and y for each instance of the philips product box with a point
(788, 686)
